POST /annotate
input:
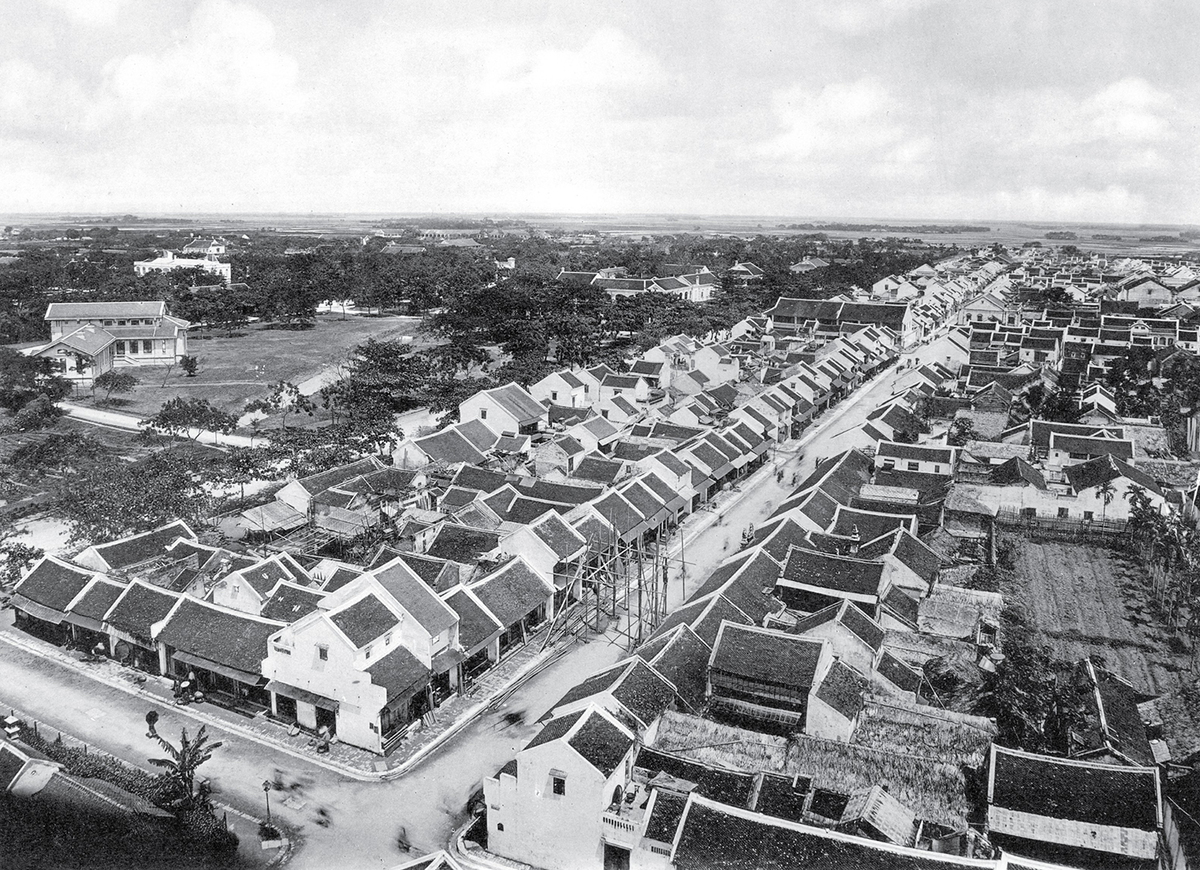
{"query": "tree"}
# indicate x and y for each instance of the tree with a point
(962, 430)
(1107, 492)
(113, 499)
(25, 378)
(183, 761)
(190, 417)
(114, 381)
(57, 453)
(285, 398)
(38, 413)
(189, 364)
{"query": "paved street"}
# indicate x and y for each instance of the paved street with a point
(430, 800)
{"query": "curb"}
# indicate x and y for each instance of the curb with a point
(528, 671)
(197, 715)
(289, 843)
(531, 669)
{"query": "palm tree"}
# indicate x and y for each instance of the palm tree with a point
(183, 761)
(1107, 492)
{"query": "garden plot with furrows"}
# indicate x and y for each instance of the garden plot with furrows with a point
(1086, 600)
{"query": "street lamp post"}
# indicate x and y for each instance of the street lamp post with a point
(267, 795)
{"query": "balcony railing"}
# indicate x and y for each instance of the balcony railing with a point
(621, 831)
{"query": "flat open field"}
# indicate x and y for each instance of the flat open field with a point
(235, 369)
(1089, 601)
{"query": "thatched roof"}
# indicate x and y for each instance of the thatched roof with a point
(951, 611)
(898, 725)
(933, 789)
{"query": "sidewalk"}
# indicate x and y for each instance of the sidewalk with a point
(134, 424)
(359, 764)
(245, 825)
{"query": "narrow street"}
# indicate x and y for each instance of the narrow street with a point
(365, 819)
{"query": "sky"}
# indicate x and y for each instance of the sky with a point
(895, 109)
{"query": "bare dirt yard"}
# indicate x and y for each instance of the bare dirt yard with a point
(234, 369)
(1086, 600)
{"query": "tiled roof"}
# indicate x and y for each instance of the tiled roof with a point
(553, 531)
(140, 607)
(462, 544)
(1119, 448)
(915, 452)
(290, 602)
(365, 620)
(597, 470)
(103, 310)
(1103, 469)
(601, 743)
(399, 672)
(766, 656)
(415, 596)
(143, 547)
(512, 592)
(220, 635)
(472, 477)
(835, 573)
(324, 480)
(450, 446)
(842, 689)
(517, 402)
(682, 657)
(1058, 788)
(475, 624)
(98, 598)
(53, 583)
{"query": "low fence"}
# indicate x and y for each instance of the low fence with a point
(1103, 532)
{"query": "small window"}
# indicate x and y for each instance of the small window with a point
(322, 652)
(387, 639)
(554, 395)
(108, 323)
(483, 413)
(1063, 513)
(558, 785)
(937, 469)
(889, 464)
(1089, 515)
(147, 346)
(499, 826)
(367, 651)
(604, 414)
(914, 466)
(120, 348)
(1029, 513)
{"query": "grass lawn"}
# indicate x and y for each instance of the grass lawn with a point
(235, 369)
(1092, 601)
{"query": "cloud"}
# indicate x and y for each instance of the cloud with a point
(90, 13)
(843, 123)
(37, 104)
(856, 17)
(227, 61)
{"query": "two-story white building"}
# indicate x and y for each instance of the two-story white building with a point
(368, 661)
(169, 262)
(88, 339)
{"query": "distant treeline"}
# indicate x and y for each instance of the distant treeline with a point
(871, 228)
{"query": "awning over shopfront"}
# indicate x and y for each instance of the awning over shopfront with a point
(298, 694)
(218, 668)
(447, 659)
(38, 611)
